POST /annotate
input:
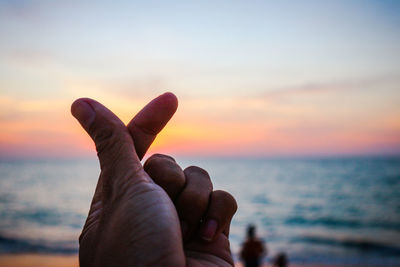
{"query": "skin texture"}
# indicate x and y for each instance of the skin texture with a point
(137, 219)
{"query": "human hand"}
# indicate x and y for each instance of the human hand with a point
(205, 214)
(132, 221)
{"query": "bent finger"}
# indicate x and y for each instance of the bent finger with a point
(192, 202)
(220, 211)
(166, 173)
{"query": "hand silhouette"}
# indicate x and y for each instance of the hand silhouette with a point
(132, 221)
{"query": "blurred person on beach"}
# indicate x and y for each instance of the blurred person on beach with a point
(154, 214)
(253, 249)
(280, 260)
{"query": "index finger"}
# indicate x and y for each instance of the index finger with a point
(145, 126)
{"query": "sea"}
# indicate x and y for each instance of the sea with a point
(337, 211)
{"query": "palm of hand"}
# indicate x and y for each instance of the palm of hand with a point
(121, 233)
(156, 229)
(132, 221)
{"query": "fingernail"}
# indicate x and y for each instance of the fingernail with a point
(209, 229)
(83, 112)
(184, 228)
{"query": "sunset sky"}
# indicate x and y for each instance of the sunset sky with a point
(253, 78)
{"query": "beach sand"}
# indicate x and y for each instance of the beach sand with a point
(40, 260)
(36, 260)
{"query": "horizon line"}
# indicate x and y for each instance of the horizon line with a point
(210, 156)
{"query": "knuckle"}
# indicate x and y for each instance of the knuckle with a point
(154, 157)
(150, 162)
(226, 198)
(174, 175)
(196, 170)
(167, 157)
(156, 161)
(165, 173)
(107, 137)
(170, 179)
(193, 201)
(101, 138)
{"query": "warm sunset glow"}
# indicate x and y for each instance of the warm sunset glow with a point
(254, 80)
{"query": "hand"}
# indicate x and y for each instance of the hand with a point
(205, 214)
(132, 221)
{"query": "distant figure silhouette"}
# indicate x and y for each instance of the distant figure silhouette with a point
(280, 260)
(253, 249)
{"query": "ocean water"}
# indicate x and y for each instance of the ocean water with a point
(332, 210)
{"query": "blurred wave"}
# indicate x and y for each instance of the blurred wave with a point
(335, 211)
(362, 245)
(14, 245)
(341, 223)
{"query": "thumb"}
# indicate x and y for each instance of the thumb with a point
(114, 144)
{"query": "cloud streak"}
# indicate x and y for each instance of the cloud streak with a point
(374, 83)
